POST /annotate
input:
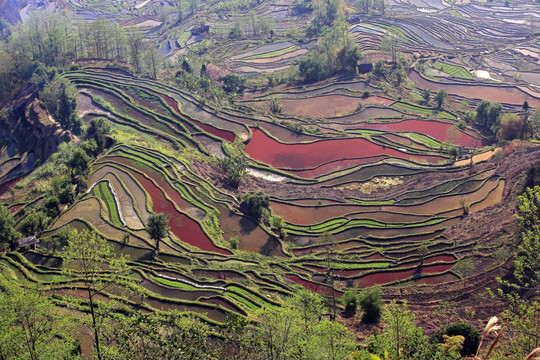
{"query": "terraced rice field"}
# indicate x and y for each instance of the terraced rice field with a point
(357, 178)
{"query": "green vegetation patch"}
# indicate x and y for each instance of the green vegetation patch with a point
(109, 198)
(454, 70)
(273, 53)
(184, 38)
(424, 111)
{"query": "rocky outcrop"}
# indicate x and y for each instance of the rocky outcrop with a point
(9, 10)
(32, 129)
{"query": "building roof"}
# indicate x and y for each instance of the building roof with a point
(27, 241)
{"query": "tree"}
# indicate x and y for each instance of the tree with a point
(512, 127)
(378, 68)
(236, 32)
(297, 331)
(311, 67)
(235, 169)
(364, 5)
(194, 6)
(136, 45)
(426, 95)
(391, 42)
(35, 222)
(31, 327)
(371, 304)
(400, 337)
(60, 98)
(440, 97)
(79, 163)
(487, 114)
(7, 232)
(233, 84)
(253, 203)
(98, 131)
(153, 59)
(91, 260)
(526, 273)
(170, 335)
(157, 227)
(329, 244)
(520, 331)
(51, 205)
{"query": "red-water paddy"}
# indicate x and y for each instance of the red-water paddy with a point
(310, 155)
(182, 226)
(438, 130)
(6, 186)
(390, 276)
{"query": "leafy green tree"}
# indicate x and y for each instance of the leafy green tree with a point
(520, 331)
(91, 260)
(253, 203)
(440, 97)
(311, 67)
(170, 335)
(302, 7)
(8, 234)
(157, 227)
(98, 131)
(60, 98)
(35, 222)
(310, 306)
(80, 163)
(401, 336)
(233, 84)
(297, 331)
(31, 327)
(66, 195)
(371, 304)
(51, 205)
(487, 114)
(526, 273)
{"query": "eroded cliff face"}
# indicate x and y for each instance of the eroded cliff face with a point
(32, 129)
(9, 10)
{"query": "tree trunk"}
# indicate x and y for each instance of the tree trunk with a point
(94, 324)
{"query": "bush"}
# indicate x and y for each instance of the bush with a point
(253, 203)
(371, 304)
(234, 241)
(233, 84)
(471, 335)
(350, 300)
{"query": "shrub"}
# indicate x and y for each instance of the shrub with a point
(371, 304)
(234, 241)
(253, 203)
(350, 300)
(471, 335)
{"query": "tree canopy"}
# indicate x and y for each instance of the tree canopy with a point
(157, 227)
